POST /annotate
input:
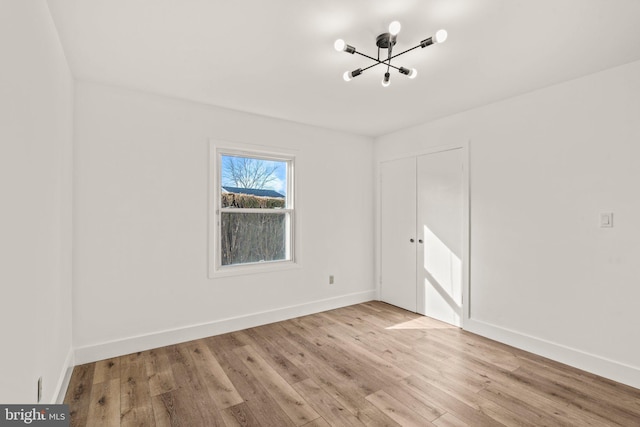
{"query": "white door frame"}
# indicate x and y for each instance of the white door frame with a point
(466, 216)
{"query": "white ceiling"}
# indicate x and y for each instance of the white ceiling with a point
(276, 58)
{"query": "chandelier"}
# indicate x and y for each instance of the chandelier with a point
(387, 41)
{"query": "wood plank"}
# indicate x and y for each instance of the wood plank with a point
(159, 371)
(576, 399)
(347, 367)
(135, 399)
(550, 406)
(455, 385)
(239, 416)
(589, 396)
(272, 354)
(78, 395)
(373, 417)
(287, 398)
(338, 382)
(500, 382)
(460, 390)
(318, 422)
(226, 342)
(606, 390)
(177, 408)
(505, 385)
(450, 404)
(469, 344)
(106, 370)
(164, 412)
(322, 402)
(385, 347)
(212, 376)
(398, 339)
(191, 401)
(257, 399)
(104, 408)
(396, 410)
(525, 410)
(388, 371)
(359, 320)
(417, 402)
(448, 420)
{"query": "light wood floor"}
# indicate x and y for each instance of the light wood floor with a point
(369, 364)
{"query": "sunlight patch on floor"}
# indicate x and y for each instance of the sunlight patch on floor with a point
(422, 323)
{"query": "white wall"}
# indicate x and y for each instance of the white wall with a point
(140, 224)
(544, 276)
(36, 106)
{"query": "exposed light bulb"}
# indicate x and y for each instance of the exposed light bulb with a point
(348, 75)
(394, 28)
(385, 80)
(339, 45)
(441, 36)
(411, 73)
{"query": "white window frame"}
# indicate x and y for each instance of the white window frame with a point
(216, 151)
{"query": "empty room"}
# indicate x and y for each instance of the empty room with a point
(320, 213)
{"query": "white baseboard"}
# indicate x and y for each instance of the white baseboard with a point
(598, 365)
(105, 350)
(63, 381)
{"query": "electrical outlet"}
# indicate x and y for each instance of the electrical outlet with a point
(606, 220)
(331, 280)
(39, 389)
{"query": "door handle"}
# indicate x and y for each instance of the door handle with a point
(411, 240)
(419, 240)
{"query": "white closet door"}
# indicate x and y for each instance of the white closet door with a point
(398, 223)
(440, 234)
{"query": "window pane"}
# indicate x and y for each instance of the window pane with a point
(250, 182)
(253, 237)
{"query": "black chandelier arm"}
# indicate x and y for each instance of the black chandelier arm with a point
(383, 63)
(403, 52)
(390, 49)
(378, 62)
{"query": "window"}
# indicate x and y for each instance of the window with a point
(253, 210)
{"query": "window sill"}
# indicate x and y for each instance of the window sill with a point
(255, 268)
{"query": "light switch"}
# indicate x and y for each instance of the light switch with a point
(606, 220)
